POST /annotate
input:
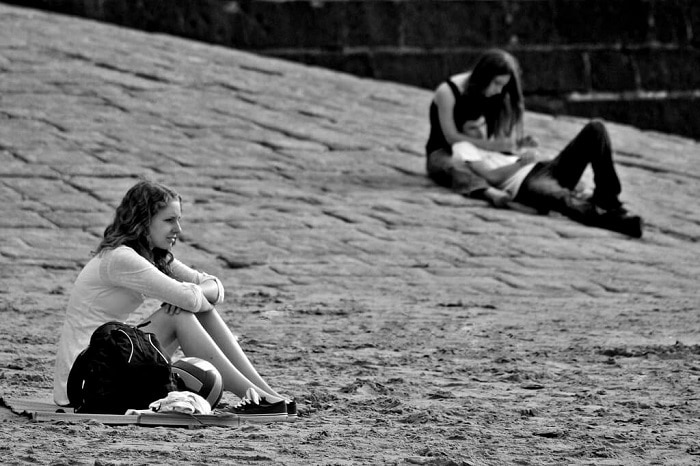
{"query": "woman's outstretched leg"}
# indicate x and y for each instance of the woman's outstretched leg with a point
(228, 343)
(194, 340)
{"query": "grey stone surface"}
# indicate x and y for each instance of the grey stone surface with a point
(632, 61)
(305, 189)
(300, 179)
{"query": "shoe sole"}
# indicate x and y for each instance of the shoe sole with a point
(632, 226)
(263, 418)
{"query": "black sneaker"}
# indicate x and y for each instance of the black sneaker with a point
(615, 207)
(630, 225)
(255, 409)
(261, 412)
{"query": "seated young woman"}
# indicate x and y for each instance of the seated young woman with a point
(483, 106)
(478, 148)
(134, 261)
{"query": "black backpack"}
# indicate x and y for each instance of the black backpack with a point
(122, 368)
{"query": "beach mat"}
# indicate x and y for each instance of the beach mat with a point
(39, 410)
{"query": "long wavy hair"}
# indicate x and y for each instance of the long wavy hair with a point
(132, 220)
(503, 112)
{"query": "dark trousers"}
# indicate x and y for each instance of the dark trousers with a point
(550, 185)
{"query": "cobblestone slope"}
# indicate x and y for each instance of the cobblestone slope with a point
(305, 192)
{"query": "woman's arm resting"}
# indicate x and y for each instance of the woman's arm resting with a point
(211, 290)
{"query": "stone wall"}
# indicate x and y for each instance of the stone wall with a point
(632, 61)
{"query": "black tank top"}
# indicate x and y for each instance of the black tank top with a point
(462, 113)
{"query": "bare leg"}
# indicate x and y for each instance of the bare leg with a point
(187, 330)
(228, 343)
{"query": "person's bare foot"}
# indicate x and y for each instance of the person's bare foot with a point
(497, 198)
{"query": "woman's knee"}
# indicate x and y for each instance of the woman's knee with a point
(596, 127)
(165, 326)
(438, 167)
(167, 321)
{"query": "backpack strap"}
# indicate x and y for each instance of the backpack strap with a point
(76, 377)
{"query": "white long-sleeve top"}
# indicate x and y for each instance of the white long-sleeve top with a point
(113, 285)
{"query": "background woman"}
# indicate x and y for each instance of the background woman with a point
(134, 260)
(476, 146)
(483, 106)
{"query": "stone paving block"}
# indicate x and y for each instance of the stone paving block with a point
(333, 268)
(52, 154)
(43, 246)
(109, 190)
(119, 78)
(261, 277)
(16, 133)
(199, 259)
(10, 195)
(95, 171)
(22, 85)
(7, 157)
(226, 244)
(23, 219)
(283, 142)
(78, 220)
(56, 194)
(15, 168)
(20, 280)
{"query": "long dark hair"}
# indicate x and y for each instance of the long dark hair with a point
(503, 112)
(132, 220)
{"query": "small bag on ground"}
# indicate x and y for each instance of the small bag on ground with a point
(122, 368)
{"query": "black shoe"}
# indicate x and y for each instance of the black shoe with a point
(609, 208)
(262, 411)
(630, 225)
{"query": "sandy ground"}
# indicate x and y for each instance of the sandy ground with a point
(420, 383)
(413, 326)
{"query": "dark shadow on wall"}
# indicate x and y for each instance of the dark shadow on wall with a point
(631, 61)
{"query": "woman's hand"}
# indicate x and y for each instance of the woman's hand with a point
(527, 141)
(529, 156)
(505, 145)
(497, 197)
(171, 309)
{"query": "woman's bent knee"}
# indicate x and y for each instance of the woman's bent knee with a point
(596, 126)
(162, 319)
